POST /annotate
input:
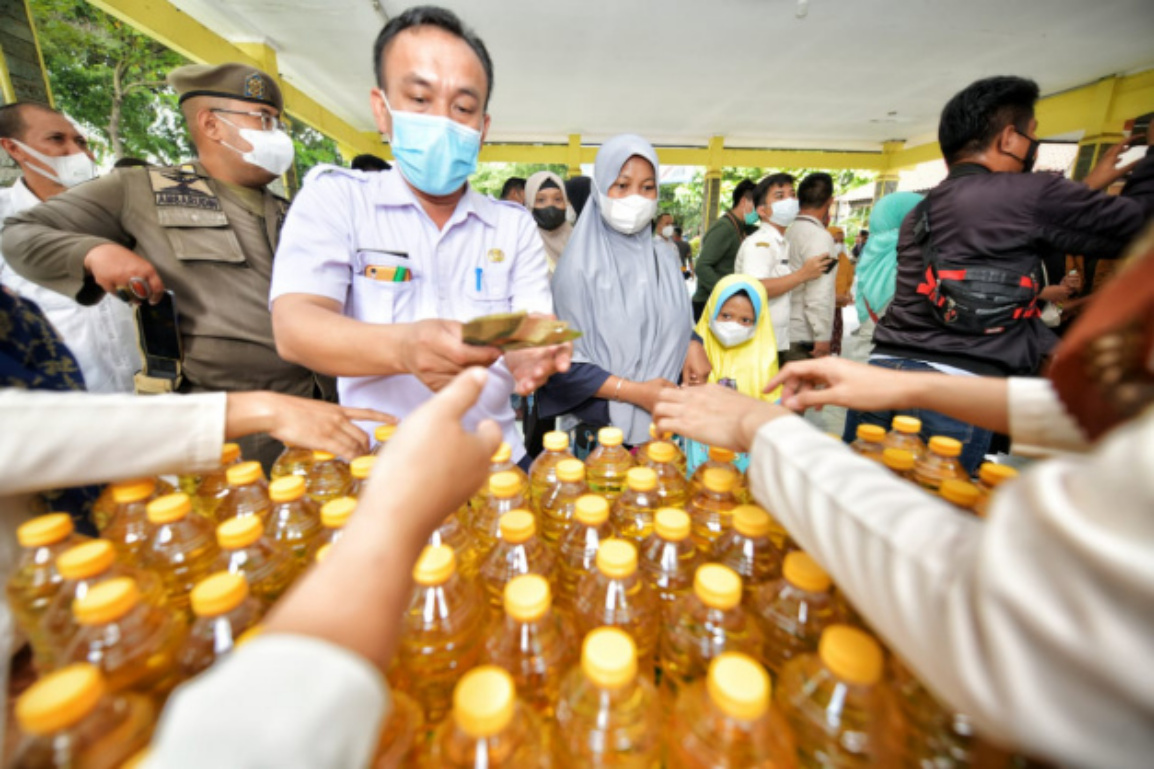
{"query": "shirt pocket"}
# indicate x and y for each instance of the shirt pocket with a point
(382, 301)
(488, 289)
(201, 236)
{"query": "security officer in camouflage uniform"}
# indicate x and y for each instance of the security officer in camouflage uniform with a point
(205, 230)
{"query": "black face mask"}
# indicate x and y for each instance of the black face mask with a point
(1031, 154)
(549, 218)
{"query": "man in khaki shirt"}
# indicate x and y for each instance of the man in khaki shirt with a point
(206, 230)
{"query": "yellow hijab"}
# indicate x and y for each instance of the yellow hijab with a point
(753, 363)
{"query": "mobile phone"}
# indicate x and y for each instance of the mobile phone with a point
(158, 331)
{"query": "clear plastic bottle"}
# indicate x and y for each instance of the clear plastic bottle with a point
(442, 632)
(133, 642)
(246, 550)
(644, 458)
(703, 625)
(669, 464)
(104, 508)
(506, 493)
(792, 612)
(335, 514)
(519, 551)
(328, 478)
(127, 527)
(35, 581)
(402, 735)
(360, 469)
(247, 493)
(383, 434)
(615, 595)
(608, 714)
(533, 642)
(557, 504)
(841, 710)
(748, 548)
(870, 443)
(904, 435)
(900, 462)
(543, 471)
(726, 721)
(294, 521)
(489, 727)
(453, 533)
(711, 506)
(294, 460)
(669, 558)
(940, 463)
(181, 548)
(632, 514)
(69, 719)
(961, 494)
(606, 465)
(722, 459)
(224, 611)
(501, 462)
(212, 487)
(577, 551)
(990, 477)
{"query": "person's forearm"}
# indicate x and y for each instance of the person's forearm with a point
(977, 400)
(314, 333)
(617, 388)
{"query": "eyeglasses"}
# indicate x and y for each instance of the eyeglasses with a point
(267, 122)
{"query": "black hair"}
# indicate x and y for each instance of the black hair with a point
(815, 190)
(978, 113)
(512, 183)
(676, 229)
(430, 16)
(130, 162)
(367, 162)
(864, 232)
(768, 183)
(12, 124)
(744, 187)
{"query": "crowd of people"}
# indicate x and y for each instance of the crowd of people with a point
(1035, 622)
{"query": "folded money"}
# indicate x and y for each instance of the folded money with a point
(517, 331)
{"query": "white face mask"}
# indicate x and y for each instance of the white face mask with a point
(667, 232)
(730, 333)
(628, 215)
(784, 212)
(271, 150)
(67, 171)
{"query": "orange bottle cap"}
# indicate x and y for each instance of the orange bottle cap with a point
(169, 508)
(239, 532)
(229, 453)
(959, 492)
(484, 701)
(45, 530)
(946, 447)
(571, 470)
(336, 513)
(591, 510)
(86, 560)
(641, 479)
(671, 524)
(871, 433)
(616, 558)
(719, 480)
(898, 459)
(323, 552)
(107, 601)
(323, 456)
(435, 566)
(384, 432)
(609, 658)
(555, 440)
(719, 454)
(288, 488)
(362, 467)
(610, 436)
(738, 686)
(751, 521)
(662, 451)
(851, 654)
(993, 474)
(801, 571)
(908, 425)
(219, 594)
(717, 586)
(60, 699)
(527, 597)
(504, 484)
(503, 454)
(517, 526)
(136, 490)
(244, 473)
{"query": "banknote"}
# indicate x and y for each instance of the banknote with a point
(517, 331)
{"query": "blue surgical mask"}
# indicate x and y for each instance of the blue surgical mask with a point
(435, 154)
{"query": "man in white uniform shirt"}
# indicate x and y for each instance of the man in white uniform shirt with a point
(376, 272)
(812, 304)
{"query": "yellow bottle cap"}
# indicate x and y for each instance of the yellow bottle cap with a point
(959, 492)
(169, 508)
(504, 484)
(436, 564)
(335, 513)
(801, 571)
(239, 532)
(218, 594)
(323, 552)
(738, 686)
(662, 451)
(571, 470)
(107, 601)
(909, 425)
(671, 524)
(616, 558)
(591, 510)
(362, 467)
(45, 530)
(136, 490)
(229, 453)
(641, 479)
(484, 701)
(851, 654)
(503, 454)
(323, 456)
(610, 436)
(947, 447)
(527, 597)
(993, 474)
(87, 560)
(244, 473)
(248, 635)
(652, 431)
(751, 521)
(719, 480)
(60, 699)
(555, 440)
(517, 526)
(384, 432)
(288, 488)
(717, 586)
(609, 658)
(138, 759)
(871, 433)
(898, 459)
(719, 454)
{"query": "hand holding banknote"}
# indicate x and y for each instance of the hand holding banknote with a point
(536, 346)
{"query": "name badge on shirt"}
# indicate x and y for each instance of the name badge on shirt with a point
(495, 255)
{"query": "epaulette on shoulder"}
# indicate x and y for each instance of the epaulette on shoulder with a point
(327, 168)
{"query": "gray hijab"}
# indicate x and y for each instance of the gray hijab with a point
(628, 299)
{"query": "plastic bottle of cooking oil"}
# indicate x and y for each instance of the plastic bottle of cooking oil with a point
(453, 533)
(990, 477)
(501, 462)
(940, 463)
(213, 486)
(247, 493)
(748, 548)
(246, 550)
(904, 434)
(533, 641)
(359, 470)
(722, 459)
(181, 547)
(328, 478)
(382, 435)
(335, 514)
(668, 559)
(519, 551)
(294, 520)
(294, 460)
(402, 735)
(793, 611)
(606, 465)
(577, 550)
(669, 463)
(127, 527)
(35, 581)
(105, 505)
(615, 595)
(224, 611)
(643, 457)
(871, 441)
(506, 493)
(711, 506)
(557, 503)
(543, 471)
(900, 462)
(608, 714)
(962, 494)
(632, 515)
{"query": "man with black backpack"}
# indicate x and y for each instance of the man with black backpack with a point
(969, 256)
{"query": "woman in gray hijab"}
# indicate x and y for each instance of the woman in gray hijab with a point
(628, 299)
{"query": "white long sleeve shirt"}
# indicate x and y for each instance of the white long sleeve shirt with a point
(765, 254)
(1037, 622)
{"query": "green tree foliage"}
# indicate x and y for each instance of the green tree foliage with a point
(490, 177)
(311, 148)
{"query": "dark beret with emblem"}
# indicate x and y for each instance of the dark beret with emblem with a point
(227, 81)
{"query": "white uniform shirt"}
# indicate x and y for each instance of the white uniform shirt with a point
(101, 336)
(488, 259)
(765, 254)
(812, 304)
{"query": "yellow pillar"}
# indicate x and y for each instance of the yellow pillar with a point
(887, 180)
(573, 155)
(1102, 132)
(711, 195)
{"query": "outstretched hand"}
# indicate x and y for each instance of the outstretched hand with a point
(837, 382)
(301, 421)
(714, 415)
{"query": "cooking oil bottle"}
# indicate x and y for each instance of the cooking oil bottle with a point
(335, 514)
(940, 463)
(793, 611)
(293, 522)
(402, 735)
(105, 505)
(577, 551)
(502, 462)
(961, 494)
(615, 595)
(247, 493)
(35, 581)
(904, 434)
(383, 434)
(294, 460)
(711, 506)
(557, 504)
(224, 611)
(870, 442)
(748, 548)
(453, 533)
(606, 465)
(543, 471)
(669, 463)
(246, 550)
(212, 487)
(127, 527)
(990, 477)
(518, 552)
(328, 478)
(632, 514)
(181, 548)
(900, 462)
(655, 437)
(506, 493)
(720, 459)
(668, 559)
